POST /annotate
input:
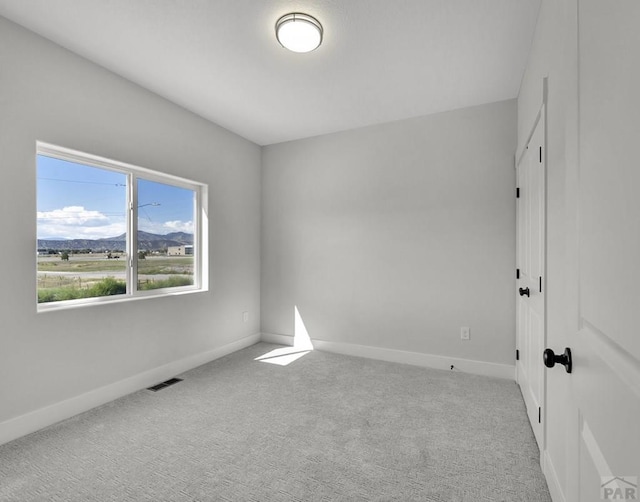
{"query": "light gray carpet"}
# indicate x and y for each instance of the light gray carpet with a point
(324, 428)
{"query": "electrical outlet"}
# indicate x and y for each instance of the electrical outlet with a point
(465, 333)
(245, 316)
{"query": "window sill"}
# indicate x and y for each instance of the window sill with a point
(107, 300)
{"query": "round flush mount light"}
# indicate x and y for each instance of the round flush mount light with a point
(299, 32)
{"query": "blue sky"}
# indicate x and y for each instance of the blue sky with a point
(82, 202)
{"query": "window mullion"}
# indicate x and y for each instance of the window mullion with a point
(132, 235)
(196, 240)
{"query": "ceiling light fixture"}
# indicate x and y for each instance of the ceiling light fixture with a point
(299, 32)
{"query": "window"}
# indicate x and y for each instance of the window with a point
(109, 231)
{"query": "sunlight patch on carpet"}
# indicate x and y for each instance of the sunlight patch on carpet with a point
(301, 345)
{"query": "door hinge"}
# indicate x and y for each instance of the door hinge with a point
(540, 155)
(517, 355)
(539, 415)
(517, 273)
(517, 192)
(540, 284)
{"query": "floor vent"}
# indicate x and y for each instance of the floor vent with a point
(162, 385)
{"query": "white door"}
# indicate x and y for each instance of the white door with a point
(530, 277)
(604, 330)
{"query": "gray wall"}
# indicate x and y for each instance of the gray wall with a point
(49, 94)
(396, 235)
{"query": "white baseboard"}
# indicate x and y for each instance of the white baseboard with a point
(401, 356)
(555, 489)
(279, 339)
(33, 421)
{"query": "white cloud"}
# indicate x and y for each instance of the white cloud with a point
(72, 215)
(179, 226)
(76, 222)
(163, 228)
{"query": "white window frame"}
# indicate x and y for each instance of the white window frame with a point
(133, 172)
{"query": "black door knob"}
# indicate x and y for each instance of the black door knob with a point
(524, 291)
(550, 359)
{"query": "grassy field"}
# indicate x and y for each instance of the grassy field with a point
(97, 263)
(87, 276)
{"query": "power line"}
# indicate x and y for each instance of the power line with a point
(85, 182)
(73, 217)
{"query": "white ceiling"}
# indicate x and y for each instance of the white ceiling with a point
(381, 60)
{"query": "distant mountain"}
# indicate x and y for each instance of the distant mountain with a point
(146, 241)
(181, 237)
